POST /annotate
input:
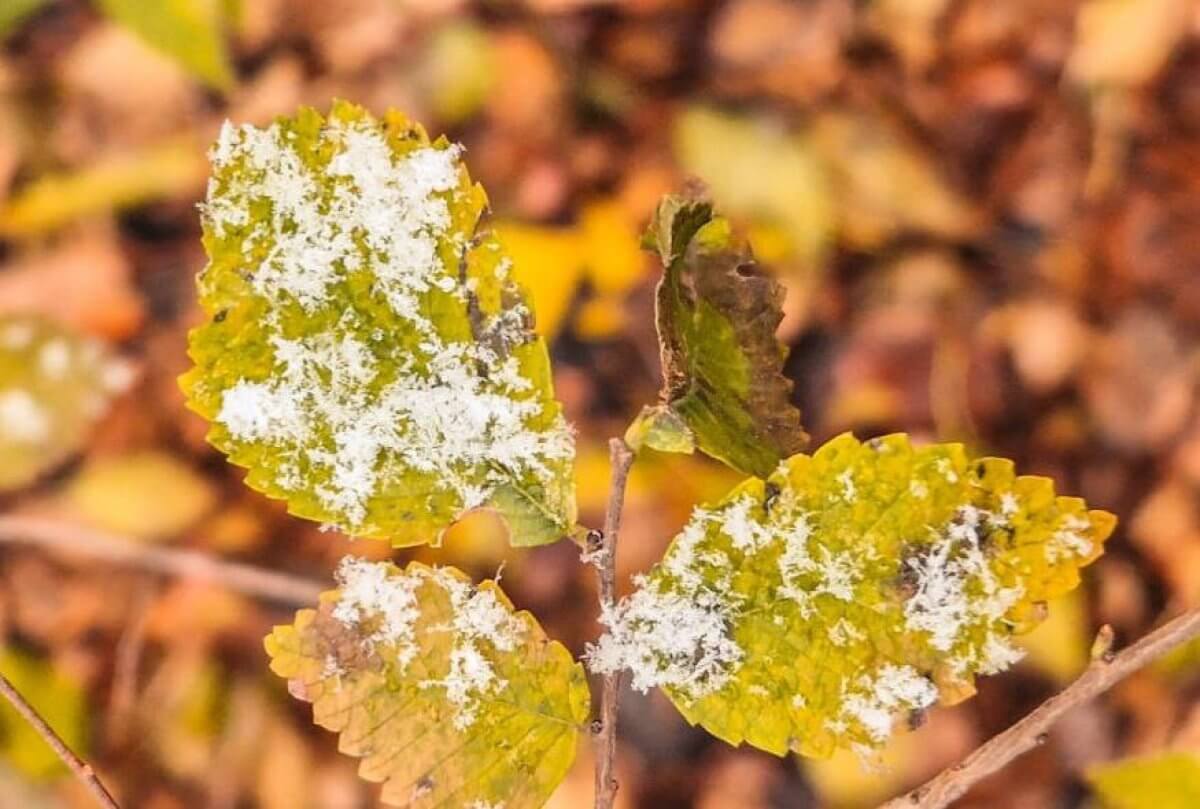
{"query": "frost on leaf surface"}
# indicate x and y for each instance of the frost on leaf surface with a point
(366, 356)
(448, 696)
(722, 366)
(54, 385)
(848, 591)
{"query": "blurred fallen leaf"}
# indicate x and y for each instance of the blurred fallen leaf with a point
(14, 11)
(58, 699)
(53, 387)
(84, 283)
(1059, 646)
(457, 70)
(787, 49)
(1140, 384)
(190, 31)
(117, 89)
(148, 495)
(759, 171)
(1125, 42)
(1048, 341)
(552, 262)
(182, 711)
(885, 184)
(1165, 781)
(114, 182)
(911, 26)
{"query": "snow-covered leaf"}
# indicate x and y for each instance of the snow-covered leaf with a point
(368, 357)
(851, 589)
(1164, 781)
(722, 366)
(53, 387)
(448, 696)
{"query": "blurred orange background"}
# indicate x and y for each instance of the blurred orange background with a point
(986, 214)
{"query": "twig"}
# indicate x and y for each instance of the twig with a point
(247, 579)
(82, 770)
(1105, 671)
(123, 694)
(621, 457)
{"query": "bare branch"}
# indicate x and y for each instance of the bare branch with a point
(606, 734)
(247, 579)
(82, 770)
(1105, 671)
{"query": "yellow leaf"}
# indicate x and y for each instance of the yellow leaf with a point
(849, 591)
(449, 696)
(547, 262)
(1164, 781)
(368, 358)
(1060, 645)
(188, 31)
(147, 495)
(58, 699)
(886, 184)
(115, 182)
(761, 172)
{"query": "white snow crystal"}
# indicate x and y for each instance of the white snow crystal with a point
(875, 701)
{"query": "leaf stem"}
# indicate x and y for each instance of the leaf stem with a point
(621, 457)
(1105, 671)
(82, 770)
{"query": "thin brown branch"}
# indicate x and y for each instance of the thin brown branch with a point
(56, 535)
(82, 770)
(123, 694)
(606, 732)
(1105, 671)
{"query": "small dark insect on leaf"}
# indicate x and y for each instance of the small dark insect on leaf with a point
(220, 316)
(916, 718)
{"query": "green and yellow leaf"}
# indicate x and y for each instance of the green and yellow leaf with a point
(189, 31)
(1163, 781)
(722, 366)
(851, 589)
(368, 358)
(448, 696)
(54, 385)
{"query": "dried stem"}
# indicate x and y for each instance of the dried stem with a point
(252, 581)
(82, 770)
(1105, 671)
(606, 732)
